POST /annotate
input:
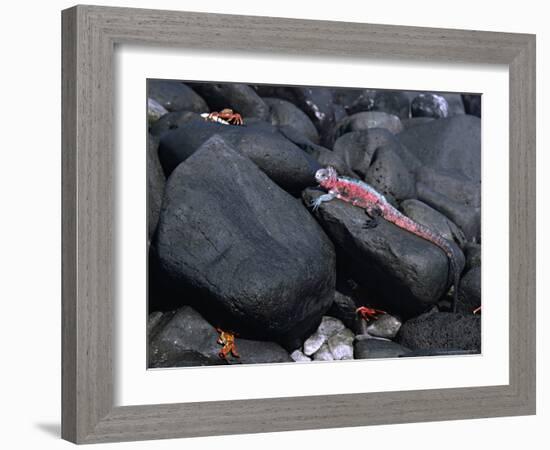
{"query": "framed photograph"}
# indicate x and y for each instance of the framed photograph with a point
(268, 230)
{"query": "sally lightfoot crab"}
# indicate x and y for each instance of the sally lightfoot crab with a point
(227, 339)
(369, 314)
(226, 116)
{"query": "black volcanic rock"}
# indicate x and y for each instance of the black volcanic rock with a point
(472, 104)
(367, 120)
(241, 250)
(239, 97)
(187, 339)
(442, 330)
(469, 292)
(285, 163)
(285, 113)
(155, 185)
(406, 273)
(366, 347)
(390, 177)
(424, 214)
(316, 102)
(175, 96)
(452, 144)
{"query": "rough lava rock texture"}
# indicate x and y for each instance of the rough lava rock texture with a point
(241, 98)
(389, 176)
(442, 330)
(187, 339)
(241, 250)
(175, 96)
(405, 272)
(284, 162)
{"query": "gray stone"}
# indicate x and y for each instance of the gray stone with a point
(328, 327)
(323, 354)
(386, 326)
(298, 356)
(341, 345)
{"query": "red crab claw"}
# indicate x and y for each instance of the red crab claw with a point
(368, 314)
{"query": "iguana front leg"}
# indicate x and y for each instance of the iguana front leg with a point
(323, 198)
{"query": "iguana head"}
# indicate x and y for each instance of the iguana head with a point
(326, 177)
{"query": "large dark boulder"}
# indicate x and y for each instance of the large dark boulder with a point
(237, 96)
(472, 104)
(389, 176)
(367, 120)
(405, 272)
(284, 113)
(424, 214)
(467, 217)
(391, 102)
(357, 147)
(316, 102)
(155, 185)
(469, 292)
(284, 162)
(187, 339)
(175, 96)
(452, 144)
(442, 330)
(241, 250)
(172, 121)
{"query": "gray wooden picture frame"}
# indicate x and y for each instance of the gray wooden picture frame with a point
(90, 34)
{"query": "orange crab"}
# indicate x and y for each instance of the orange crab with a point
(227, 339)
(227, 116)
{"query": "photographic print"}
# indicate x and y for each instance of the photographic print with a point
(298, 224)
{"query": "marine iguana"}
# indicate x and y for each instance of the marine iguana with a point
(361, 194)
